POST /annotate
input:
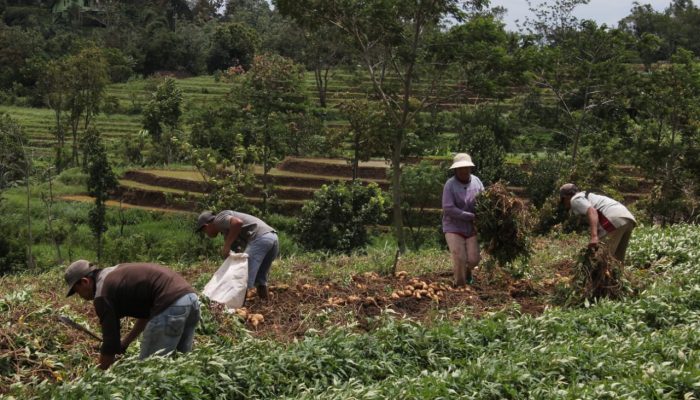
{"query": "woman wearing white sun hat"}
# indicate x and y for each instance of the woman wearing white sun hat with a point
(458, 207)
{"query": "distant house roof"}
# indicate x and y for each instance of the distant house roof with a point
(60, 6)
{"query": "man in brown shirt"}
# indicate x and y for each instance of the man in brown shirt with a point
(165, 306)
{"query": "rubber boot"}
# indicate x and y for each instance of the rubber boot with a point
(262, 292)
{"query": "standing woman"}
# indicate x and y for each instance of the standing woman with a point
(458, 206)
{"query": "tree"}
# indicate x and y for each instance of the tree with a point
(16, 166)
(161, 116)
(101, 180)
(582, 68)
(422, 188)
(390, 38)
(232, 44)
(20, 48)
(667, 139)
(367, 126)
(324, 50)
(54, 88)
(271, 91)
(86, 80)
(480, 54)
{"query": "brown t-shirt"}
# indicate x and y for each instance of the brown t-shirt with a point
(138, 290)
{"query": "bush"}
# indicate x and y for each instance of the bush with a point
(337, 217)
(488, 155)
(544, 178)
(12, 252)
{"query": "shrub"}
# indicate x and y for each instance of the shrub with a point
(488, 155)
(338, 216)
(544, 179)
(12, 251)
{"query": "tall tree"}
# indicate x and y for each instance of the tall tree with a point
(54, 88)
(101, 180)
(367, 125)
(580, 64)
(390, 38)
(87, 76)
(161, 116)
(324, 50)
(271, 90)
(667, 138)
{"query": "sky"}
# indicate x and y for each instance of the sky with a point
(601, 11)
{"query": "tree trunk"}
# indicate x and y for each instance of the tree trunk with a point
(321, 84)
(30, 240)
(396, 194)
(49, 220)
(356, 158)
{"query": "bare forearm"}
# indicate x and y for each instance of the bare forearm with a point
(139, 326)
(233, 232)
(593, 223)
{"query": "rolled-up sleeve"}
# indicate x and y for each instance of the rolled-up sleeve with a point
(109, 321)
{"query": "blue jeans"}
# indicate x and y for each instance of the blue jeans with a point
(172, 329)
(261, 252)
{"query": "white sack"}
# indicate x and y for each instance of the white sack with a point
(229, 283)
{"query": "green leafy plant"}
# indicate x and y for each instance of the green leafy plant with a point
(337, 217)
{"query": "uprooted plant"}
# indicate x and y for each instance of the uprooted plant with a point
(503, 226)
(597, 274)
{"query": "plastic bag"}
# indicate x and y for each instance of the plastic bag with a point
(230, 282)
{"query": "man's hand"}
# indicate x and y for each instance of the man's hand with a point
(225, 252)
(593, 243)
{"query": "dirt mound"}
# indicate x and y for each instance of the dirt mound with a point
(314, 167)
(164, 181)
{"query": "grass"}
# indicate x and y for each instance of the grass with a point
(641, 347)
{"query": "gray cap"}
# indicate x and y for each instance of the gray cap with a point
(568, 189)
(204, 218)
(75, 272)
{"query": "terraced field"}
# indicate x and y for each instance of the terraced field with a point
(294, 181)
(198, 92)
(38, 124)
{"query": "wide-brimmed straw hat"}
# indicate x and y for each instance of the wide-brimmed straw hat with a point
(462, 160)
(568, 189)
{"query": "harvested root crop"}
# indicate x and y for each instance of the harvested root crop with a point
(502, 224)
(597, 274)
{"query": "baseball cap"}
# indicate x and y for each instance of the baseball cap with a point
(75, 272)
(204, 218)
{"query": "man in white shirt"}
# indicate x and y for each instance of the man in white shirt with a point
(608, 219)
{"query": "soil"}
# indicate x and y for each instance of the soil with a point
(314, 167)
(291, 311)
(174, 183)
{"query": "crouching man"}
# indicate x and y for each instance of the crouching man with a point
(165, 306)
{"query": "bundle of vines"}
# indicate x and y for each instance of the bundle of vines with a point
(597, 274)
(503, 225)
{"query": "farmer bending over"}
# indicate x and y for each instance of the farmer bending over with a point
(458, 206)
(607, 218)
(257, 238)
(165, 306)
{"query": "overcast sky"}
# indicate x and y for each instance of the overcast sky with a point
(602, 11)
